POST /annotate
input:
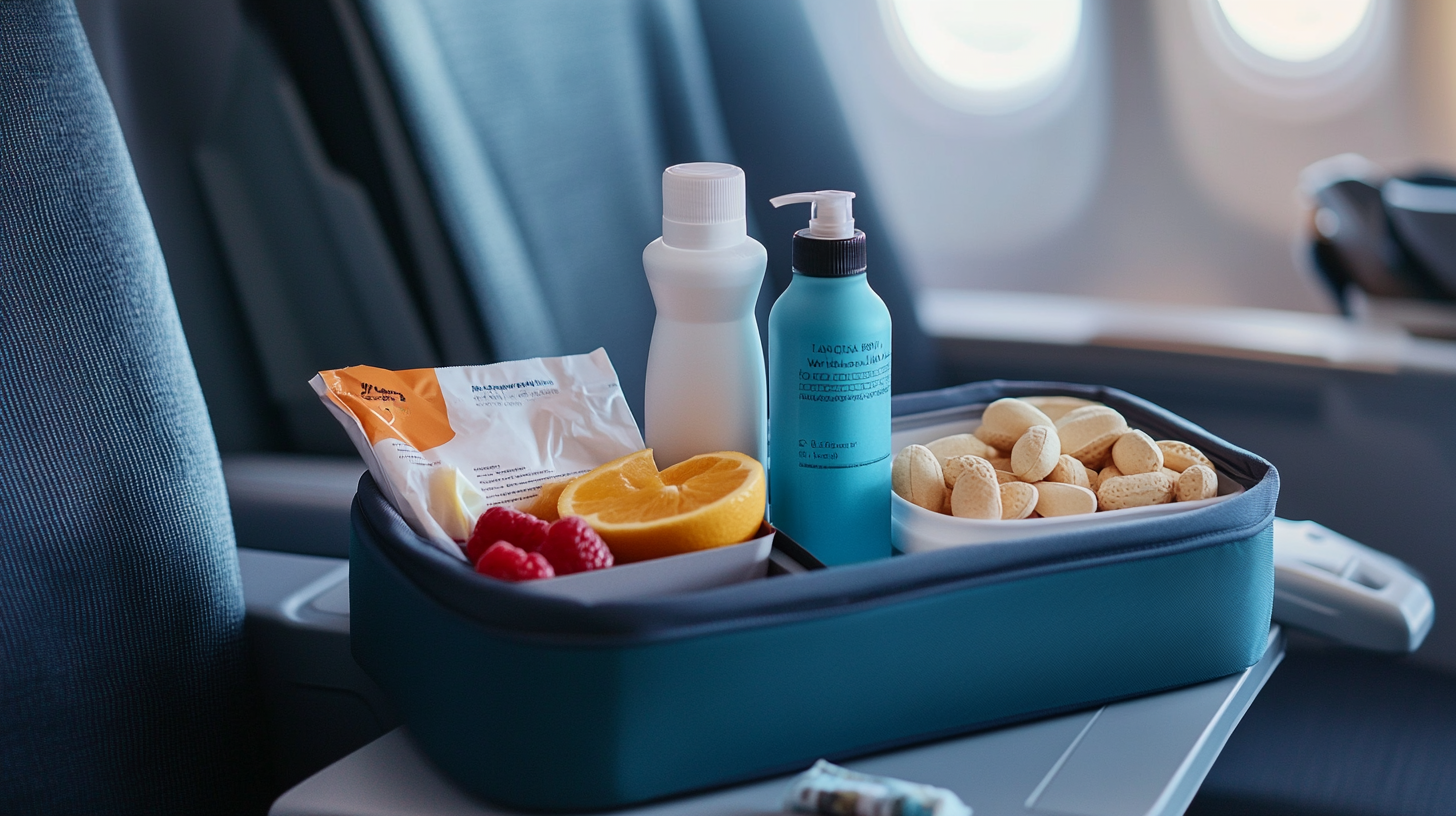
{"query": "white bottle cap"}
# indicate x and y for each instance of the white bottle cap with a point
(831, 216)
(703, 206)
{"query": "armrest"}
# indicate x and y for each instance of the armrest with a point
(292, 503)
(321, 706)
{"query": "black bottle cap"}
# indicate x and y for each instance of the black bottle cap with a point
(829, 257)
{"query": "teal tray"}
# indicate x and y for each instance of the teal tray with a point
(551, 704)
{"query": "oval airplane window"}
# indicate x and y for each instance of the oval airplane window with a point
(987, 56)
(1296, 30)
(1306, 59)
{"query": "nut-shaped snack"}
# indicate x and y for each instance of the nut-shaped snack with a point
(953, 467)
(977, 495)
(915, 475)
(1057, 407)
(964, 444)
(1170, 472)
(1004, 476)
(1108, 472)
(1093, 477)
(1196, 483)
(1088, 433)
(1005, 420)
(1070, 471)
(1180, 455)
(1018, 500)
(1062, 499)
(1083, 412)
(1136, 452)
(1036, 453)
(1138, 490)
(1001, 463)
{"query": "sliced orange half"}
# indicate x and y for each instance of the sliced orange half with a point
(711, 500)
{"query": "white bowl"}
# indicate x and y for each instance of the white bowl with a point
(914, 529)
(663, 576)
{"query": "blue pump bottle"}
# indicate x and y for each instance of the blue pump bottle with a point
(829, 392)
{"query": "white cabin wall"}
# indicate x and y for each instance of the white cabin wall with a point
(1155, 176)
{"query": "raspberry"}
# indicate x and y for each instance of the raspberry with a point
(571, 545)
(508, 562)
(504, 524)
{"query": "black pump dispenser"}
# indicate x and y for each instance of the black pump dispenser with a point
(831, 247)
(829, 257)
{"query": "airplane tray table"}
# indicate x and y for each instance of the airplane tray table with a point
(1141, 756)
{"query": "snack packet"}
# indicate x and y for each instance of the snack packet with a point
(829, 790)
(445, 444)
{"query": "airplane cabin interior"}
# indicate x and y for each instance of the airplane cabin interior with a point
(451, 406)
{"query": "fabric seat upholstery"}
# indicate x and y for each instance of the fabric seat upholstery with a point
(122, 665)
(543, 127)
(1338, 732)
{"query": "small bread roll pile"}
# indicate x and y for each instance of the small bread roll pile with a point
(1050, 456)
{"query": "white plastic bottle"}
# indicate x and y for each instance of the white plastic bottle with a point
(706, 388)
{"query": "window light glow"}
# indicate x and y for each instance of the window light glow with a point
(1295, 30)
(992, 46)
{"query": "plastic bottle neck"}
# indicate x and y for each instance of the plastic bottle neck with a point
(679, 235)
(805, 280)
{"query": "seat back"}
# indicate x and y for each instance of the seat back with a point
(122, 665)
(785, 122)
(543, 127)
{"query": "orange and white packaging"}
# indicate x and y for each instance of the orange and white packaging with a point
(445, 444)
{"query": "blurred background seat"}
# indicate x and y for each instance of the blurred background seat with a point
(410, 185)
(543, 128)
(1340, 732)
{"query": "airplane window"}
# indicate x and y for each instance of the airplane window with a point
(974, 177)
(1295, 30)
(1255, 90)
(986, 56)
(1304, 50)
(992, 158)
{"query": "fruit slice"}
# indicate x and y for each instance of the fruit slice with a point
(711, 500)
(544, 505)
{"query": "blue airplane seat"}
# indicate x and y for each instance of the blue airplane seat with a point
(1338, 731)
(122, 666)
(543, 126)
